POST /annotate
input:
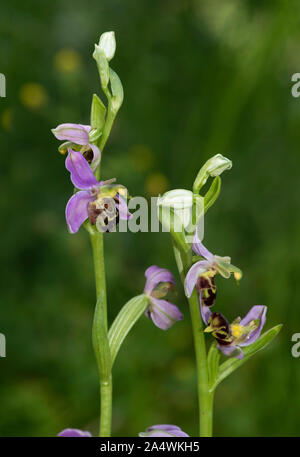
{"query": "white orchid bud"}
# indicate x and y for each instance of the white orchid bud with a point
(107, 44)
(179, 211)
(178, 202)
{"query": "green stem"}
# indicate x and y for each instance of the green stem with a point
(106, 407)
(111, 115)
(205, 398)
(99, 268)
(100, 335)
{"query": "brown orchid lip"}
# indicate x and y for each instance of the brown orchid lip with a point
(204, 282)
(104, 213)
(208, 297)
(88, 155)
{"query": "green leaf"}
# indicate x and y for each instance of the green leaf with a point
(213, 359)
(98, 112)
(100, 340)
(116, 89)
(212, 193)
(233, 363)
(124, 322)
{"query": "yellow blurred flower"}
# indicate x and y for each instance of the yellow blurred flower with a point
(6, 119)
(141, 157)
(156, 184)
(33, 95)
(67, 60)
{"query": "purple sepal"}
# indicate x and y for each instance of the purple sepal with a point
(96, 156)
(256, 312)
(231, 351)
(74, 432)
(165, 430)
(155, 275)
(200, 249)
(163, 313)
(77, 210)
(81, 173)
(123, 208)
(76, 133)
(193, 274)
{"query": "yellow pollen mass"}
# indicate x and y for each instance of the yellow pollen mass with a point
(237, 275)
(237, 330)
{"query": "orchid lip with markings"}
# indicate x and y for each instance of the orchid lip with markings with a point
(78, 135)
(241, 332)
(95, 200)
(162, 313)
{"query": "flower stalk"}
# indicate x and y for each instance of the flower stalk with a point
(100, 335)
(205, 397)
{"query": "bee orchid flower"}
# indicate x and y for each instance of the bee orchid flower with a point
(242, 332)
(202, 275)
(78, 135)
(99, 201)
(158, 282)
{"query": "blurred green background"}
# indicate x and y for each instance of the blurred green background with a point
(200, 78)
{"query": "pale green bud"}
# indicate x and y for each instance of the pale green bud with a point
(213, 167)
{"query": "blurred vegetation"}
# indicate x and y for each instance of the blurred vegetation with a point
(200, 78)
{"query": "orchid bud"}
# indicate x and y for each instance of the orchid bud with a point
(177, 203)
(213, 167)
(179, 212)
(107, 43)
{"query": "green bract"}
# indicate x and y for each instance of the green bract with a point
(103, 66)
(98, 112)
(116, 89)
